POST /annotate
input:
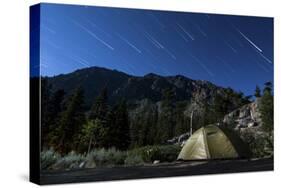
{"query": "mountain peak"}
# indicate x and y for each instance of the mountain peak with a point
(152, 75)
(98, 69)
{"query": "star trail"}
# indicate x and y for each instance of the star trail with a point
(251, 42)
(230, 51)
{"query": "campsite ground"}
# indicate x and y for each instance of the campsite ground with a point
(179, 168)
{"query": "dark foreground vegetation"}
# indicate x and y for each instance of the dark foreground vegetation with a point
(51, 160)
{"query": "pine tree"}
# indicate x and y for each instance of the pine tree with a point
(142, 129)
(52, 115)
(268, 87)
(122, 122)
(119, 128)
(227, 102)
(219, 108)
(208, 114)
(71, 122)
(100, 113)
(99, 109)
(151, 126)
(166, 119)
(46, 92)
(266, 108)
(182, 124)
(135, 128)
(257, 92)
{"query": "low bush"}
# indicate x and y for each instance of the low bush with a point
(109, 157)
(164, 153)
(260, 143)
(262, 146)
(48, 158)
(133, 160)
(169, 153)
(69, 161)
(106, 157)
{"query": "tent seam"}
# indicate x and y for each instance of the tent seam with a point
(206, 143)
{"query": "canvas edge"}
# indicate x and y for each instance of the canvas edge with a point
(34, 89)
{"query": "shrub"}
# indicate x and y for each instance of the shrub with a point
(133, 160)
(69, 161)
(48, 158)
(262, 146)
(165, 153)
(169, 153)
(260, 143)
(109, 157)
(147, 153)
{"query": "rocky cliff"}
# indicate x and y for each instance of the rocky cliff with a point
(247, 123)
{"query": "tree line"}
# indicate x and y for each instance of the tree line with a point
(155, 124)
(67, 126)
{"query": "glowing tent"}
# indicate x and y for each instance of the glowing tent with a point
(211, 142)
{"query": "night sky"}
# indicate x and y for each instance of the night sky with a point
(230, 51)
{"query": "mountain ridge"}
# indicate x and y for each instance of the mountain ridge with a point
(134, 88)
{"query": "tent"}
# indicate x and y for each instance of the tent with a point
(211, 142)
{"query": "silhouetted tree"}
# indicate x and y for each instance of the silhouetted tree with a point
(268, 87)
(99, 109)
(55, 107)
(182, 120)
(99, 113)
(220, 108)
(122, 125)
(266, 108)
(45, 100)
(257, 92)
(166, 122)
(71, 122)
(118, 134)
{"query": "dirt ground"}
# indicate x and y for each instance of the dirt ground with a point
(179, 168)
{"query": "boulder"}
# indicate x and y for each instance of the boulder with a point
(178, 139)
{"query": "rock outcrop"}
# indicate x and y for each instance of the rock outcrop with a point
(247, 123)
(179, 139)
(245, 117)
